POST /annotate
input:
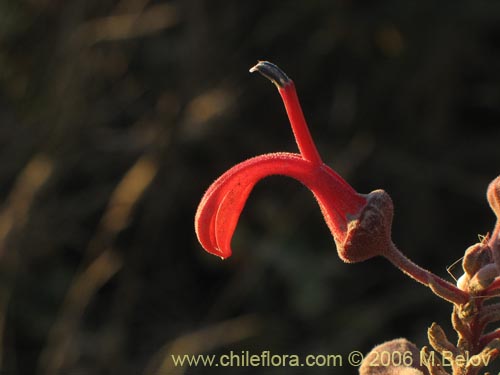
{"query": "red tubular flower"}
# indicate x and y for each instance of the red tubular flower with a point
(360, 224)
(223, 202)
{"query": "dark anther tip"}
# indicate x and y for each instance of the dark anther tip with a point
(271, 72)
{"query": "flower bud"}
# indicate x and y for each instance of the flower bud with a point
(476, 257)
(406, 351)
(463, 282)
(483, 278)
(493, 196)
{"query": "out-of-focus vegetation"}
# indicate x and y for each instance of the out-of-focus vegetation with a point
(115, 116)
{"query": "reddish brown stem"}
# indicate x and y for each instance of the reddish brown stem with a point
(485, 339)
(442, 288)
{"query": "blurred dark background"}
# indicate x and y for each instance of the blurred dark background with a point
(115, 116)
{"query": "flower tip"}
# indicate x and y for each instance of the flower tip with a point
(271, 72)
(219, 253)
(221, 256)
(225, 254)
(205, 224)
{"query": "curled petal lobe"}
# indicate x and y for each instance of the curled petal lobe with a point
(222, 204)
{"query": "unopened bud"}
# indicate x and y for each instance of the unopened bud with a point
(439, 341)
(476, 257)
(372, 364)
(483, 278)
(463, 282)
(493, 196)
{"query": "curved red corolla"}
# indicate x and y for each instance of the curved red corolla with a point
(360, 224)
(223, 202)
(221, 206)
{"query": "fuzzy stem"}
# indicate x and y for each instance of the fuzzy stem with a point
(286, 88)
(485, 339)
(439, 286)
(489, 314)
